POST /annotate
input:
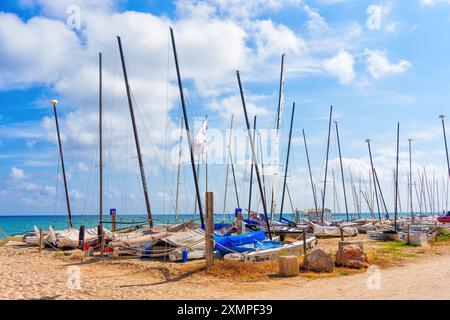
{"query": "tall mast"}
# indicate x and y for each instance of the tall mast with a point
(354, 196)
(69, 213)
(326, 164)
(228, 167)
(396, 177)
(381, 192)
(430, 202)
(198, 174)
(290, 199)
(136, 137)
(178, 170)
(445, 141)
(251, 170)
(234, 178)
(359, 195)
(410, 181)
(419, 199)
(281, 94)
(287, 160)
(262, 166)
(446, 194)
(280, 108)
(206, 158)
(100, 107)
(310, 173)
(373, 178)
(342, 170)
(252, 145)
(334, 194)
(188, 133)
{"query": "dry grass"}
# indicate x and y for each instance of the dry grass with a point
(440, 241)
(243, 271)
(5, 241)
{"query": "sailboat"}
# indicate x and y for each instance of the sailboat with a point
(73, 237)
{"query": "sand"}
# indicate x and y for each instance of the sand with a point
(27, 274)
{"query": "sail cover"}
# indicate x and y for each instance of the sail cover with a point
(230, 242)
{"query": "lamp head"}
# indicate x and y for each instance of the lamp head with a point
(367, 140)
(442, 116)
(54, 102)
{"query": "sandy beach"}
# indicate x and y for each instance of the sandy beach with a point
(26, 273)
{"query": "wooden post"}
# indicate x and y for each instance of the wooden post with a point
(81, 235)
(209, 229)
(304, 242)
(41, 239)
(113, 220)
(297, 217)
(408, 238)
(101, 238)
(342, 233)
(239, 221)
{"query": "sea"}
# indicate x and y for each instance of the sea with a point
(21, 224)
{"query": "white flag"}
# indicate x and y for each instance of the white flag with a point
(201, 139)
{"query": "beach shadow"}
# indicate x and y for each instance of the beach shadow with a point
(279, 276)
(87, 262)
(47, 297)
(168, 280)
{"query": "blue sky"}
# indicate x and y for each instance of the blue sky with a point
(376, 62)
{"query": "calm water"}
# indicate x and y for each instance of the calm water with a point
(11, 225)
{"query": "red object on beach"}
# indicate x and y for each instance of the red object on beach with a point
(108, 249)
(88, 245)
(444, 219)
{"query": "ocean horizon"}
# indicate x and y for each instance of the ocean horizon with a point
(14, 224)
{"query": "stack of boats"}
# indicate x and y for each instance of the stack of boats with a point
(67, 238)
(182, 242)
(333, 229)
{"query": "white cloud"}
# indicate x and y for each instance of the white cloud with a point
(236, 9)
(316, 22)
(214, 38)
(378, 64)
(342, 66)
(433, 2)
(18, 174)
(83, 167)
(273, 39)
(39, 55)
(233, 105)
(59, 8)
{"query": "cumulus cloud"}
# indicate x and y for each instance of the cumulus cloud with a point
(236, 9)
(62, 8)
(17, 174)
(378, 64)
(316, 22)
(341, 66)
(214, 38)
(433, 2)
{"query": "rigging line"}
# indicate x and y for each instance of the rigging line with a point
(156, 152)
(89, 180)
(166, 126)
(113, 107)
(84, 111)
(152, 144)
